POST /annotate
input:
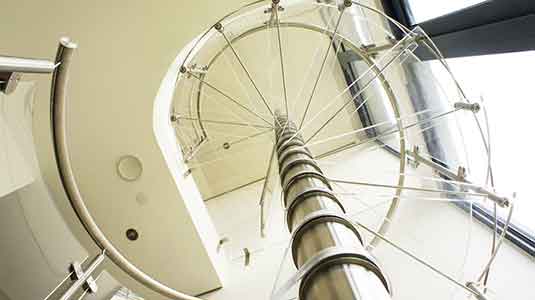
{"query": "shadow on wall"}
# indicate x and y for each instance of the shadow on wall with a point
(3, 296)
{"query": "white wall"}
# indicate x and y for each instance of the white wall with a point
(435, 231)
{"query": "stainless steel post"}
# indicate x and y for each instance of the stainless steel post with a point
(11, 64)
(12, 68)
(321, 233)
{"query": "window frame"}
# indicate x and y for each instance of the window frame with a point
(464, 33)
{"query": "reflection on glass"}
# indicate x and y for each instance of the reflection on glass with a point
(504, 86)
(423, 10)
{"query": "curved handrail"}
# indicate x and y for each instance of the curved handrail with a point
(58, 104)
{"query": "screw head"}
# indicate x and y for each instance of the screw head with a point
(183, 69)
(226, 146)
(476, 107)
(348, 3)
(132, 234)
(218, 26)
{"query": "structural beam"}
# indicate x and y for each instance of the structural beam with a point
(325, 243)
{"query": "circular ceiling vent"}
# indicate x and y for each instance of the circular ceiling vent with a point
(129, 168)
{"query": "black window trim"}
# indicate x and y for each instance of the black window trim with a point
(491, 27)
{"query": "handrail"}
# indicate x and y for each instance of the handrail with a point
(10, 64)
(61, 150)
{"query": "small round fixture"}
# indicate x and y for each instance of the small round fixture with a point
(141, 198)
(129, 168)
(226, 146)
(132, 234)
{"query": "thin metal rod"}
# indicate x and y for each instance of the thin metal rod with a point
(232, 112)
(354, 97)
(372, 67)
(275, 8)
(500, 242)
(87, 290)
(235, 142)
(415, 258)
(366, 128)
(86, 274)
(198, 164)
(234, 189)
(228, 97)
(57, 286)
(250, 137)
(403, 128)
(10, 64)
(264, 191)
(238, 58)
(352, 145)
(501, 201)
(224, 122)
(406, 188)
(338, 22)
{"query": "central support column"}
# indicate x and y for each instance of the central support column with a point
(325, 244)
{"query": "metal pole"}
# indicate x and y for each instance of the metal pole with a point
(10, 64)
(61, 149)
(316, 219)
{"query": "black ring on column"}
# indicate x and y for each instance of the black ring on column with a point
(342, 259)
(311, 192)
(285, 154)
(304, 174)
(298, 162)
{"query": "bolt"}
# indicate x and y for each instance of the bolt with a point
(132, 234)
(348, 3)
(183, 69)
(226, 146)
(474, 107)
(218, 26)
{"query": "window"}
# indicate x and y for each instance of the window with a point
(504, 85)
(489, 46)
(424, 10)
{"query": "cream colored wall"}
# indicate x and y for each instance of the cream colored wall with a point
(32, 262)
(125, 49)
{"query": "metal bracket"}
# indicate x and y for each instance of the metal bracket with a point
(461, 177)
(270, 10)
(194, 68)
(220, 244)
(477, 290)
(414, 162)
(78, 273)
(473, 107)
(247, 256)
(187, 173)
(9, 82)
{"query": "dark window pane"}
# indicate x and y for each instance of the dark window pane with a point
(423, 10)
